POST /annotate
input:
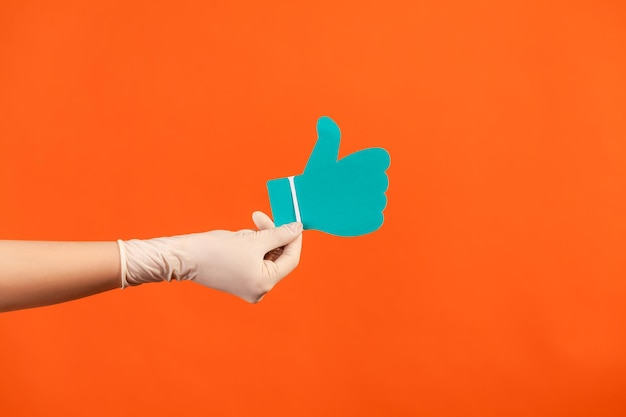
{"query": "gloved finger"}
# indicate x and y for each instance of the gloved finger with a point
(274, 238)
(286, 263)
(262, 220)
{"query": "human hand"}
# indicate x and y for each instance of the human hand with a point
(227, 261)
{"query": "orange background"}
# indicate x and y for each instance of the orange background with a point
(496, 286)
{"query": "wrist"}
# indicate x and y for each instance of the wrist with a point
(150, 260)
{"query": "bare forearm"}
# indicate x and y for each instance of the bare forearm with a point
(37, 273)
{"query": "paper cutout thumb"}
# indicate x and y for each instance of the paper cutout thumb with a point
(343, 197)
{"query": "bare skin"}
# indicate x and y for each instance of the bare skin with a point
(37, 273)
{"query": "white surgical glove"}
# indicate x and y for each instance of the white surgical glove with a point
(235, 262)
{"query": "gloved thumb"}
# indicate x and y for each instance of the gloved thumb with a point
(279, 236)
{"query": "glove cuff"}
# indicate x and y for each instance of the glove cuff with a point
(120, 244)
(152, 260)
(281, 196)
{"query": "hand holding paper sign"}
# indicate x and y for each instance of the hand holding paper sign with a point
(343, 197)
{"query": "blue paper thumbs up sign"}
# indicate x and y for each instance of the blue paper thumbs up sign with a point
(343, 197)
